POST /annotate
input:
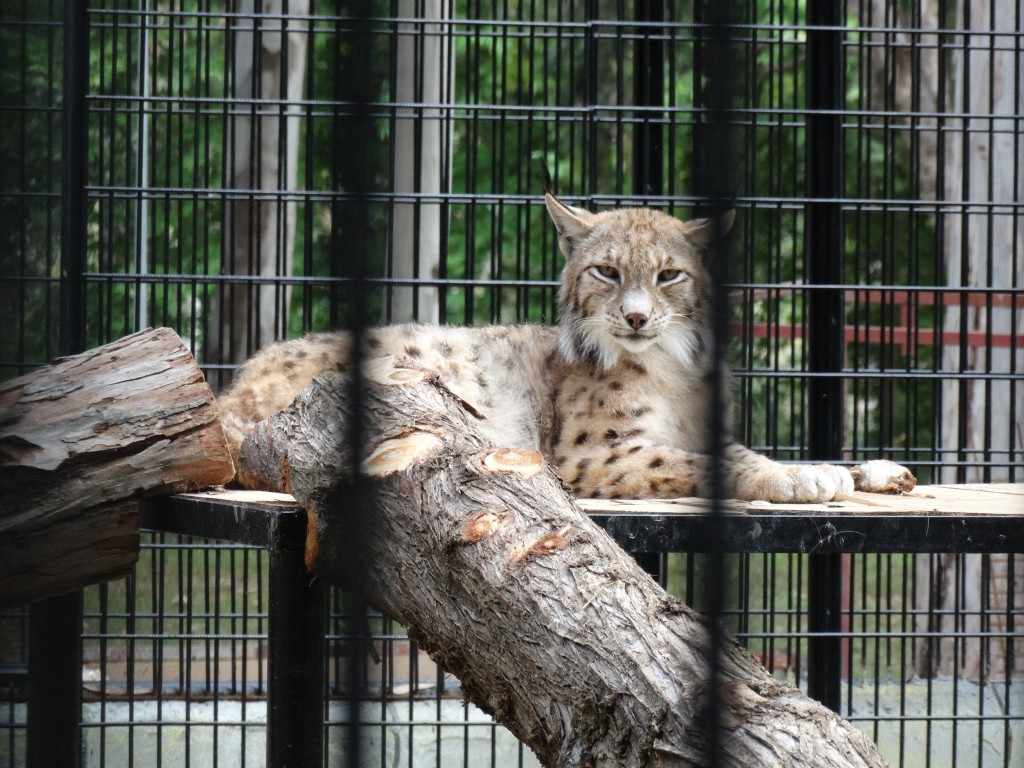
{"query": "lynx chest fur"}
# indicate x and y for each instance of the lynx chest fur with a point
(618, 397)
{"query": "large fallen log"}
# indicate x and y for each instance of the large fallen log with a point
(483, 555)
(80, 439)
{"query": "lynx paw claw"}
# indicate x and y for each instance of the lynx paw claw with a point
(881, 476)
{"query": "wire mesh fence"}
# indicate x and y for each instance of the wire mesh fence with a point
(240, 170)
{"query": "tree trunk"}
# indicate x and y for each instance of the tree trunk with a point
(269, 66)
(982, 423)
(84, 436)
(483, 554)
(985, 249)
(422, 156)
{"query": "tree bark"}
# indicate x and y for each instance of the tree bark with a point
(973, 166)
(483, 554)
(424, 67)
(982, 422)
(269, 54)
(79, 440)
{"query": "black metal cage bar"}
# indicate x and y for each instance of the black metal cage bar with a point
(825, 83)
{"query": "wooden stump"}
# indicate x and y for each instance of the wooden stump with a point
(482, 553)
(79, 440)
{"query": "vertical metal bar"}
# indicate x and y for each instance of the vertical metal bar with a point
(73, 180)
(55, 625)
(825, 320)
(356, 162)
(648, 149)
(591, 172)
(296, 683)
(714, 184)
(54, 681)
(649, 91)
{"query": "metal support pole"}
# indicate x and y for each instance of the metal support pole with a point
(825, 320)
(295, 663)
(714, 96)
(648, 148)
(55, 682)
(55, 624)
(74, 207)
(649, 91)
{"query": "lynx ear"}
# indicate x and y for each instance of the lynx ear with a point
(573, 224)
(701, 231)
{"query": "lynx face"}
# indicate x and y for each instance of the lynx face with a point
(634, 285)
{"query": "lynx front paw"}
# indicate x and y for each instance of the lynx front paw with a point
(881, 476)
(800, 483)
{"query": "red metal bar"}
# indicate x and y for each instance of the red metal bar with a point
(905, 335)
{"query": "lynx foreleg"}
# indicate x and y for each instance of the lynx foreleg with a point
(633, 470)
(638, 470)
(753, 477)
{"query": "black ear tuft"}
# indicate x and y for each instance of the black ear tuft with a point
(549, 185)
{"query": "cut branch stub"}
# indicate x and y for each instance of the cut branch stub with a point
(402, 376)
(386, 370)
(481, 526)
(399, 453)
(548, 544)
(524, 462)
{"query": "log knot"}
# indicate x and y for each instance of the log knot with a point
(398, 453)
(388, 372)
(548, 544)
(481, 526)
(524, 462)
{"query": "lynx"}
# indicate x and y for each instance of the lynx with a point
(618, 397)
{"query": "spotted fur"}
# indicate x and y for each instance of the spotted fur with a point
(618, 397)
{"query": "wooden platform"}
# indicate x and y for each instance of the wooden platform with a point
(936, 518)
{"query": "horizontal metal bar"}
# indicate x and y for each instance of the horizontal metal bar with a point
(816, 533)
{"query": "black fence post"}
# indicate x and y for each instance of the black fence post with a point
(55, 624)
(296, 681)
(55, 682)
(825, 318)
(649, 91)
(74, 159)
(648, 153)
(714, 99)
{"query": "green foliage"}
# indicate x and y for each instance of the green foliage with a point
(562, 91)
(30, 182)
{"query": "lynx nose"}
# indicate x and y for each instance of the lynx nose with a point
(636, 320)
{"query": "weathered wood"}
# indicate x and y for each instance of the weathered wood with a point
(79, 440)
(491, 565)
(970, 500)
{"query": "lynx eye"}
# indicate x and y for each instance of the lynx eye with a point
(607, 272)
(669, 276)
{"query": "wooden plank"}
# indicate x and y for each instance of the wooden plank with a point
(947, 518)
(994, 499)
(947, 500)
